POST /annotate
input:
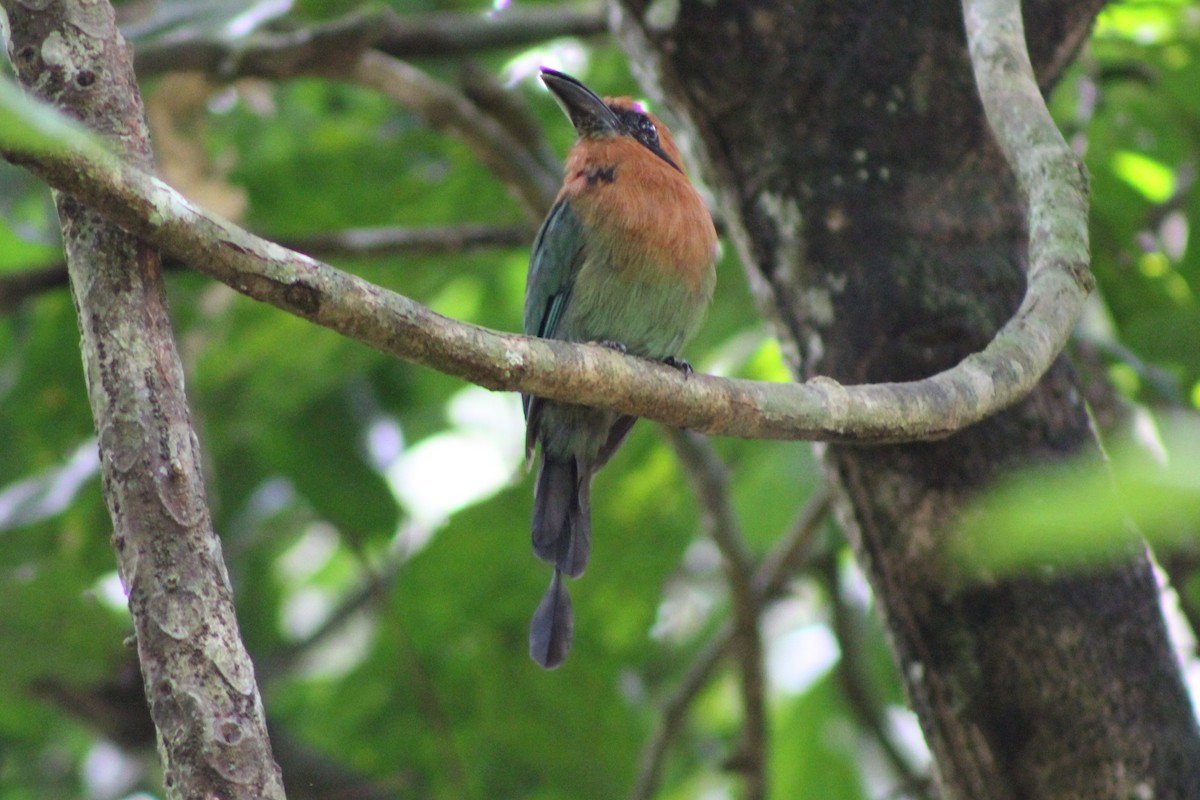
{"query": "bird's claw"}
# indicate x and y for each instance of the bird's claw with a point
(679, 364)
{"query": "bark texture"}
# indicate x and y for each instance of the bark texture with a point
(883, 233)
(197, 675)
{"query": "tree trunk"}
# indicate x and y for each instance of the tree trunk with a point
(197, 675)
(884, 235)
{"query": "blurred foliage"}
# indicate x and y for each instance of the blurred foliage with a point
(1130, 105)
(1091, 510)
(389, 622)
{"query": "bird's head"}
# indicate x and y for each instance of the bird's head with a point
(596, 117)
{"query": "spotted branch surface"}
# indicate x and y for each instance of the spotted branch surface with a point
(198, 676)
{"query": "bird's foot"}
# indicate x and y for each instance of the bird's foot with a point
(679, 364)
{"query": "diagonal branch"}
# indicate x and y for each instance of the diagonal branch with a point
(510, 109)
(518, 25)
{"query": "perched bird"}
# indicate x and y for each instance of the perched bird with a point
(627, 258)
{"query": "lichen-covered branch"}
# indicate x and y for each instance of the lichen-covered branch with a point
(1049, 172)
(198, 678)
(821, 409)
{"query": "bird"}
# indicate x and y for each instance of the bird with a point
(626, 258)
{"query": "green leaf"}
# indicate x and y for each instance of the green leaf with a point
(30, 126)
(1087, 511)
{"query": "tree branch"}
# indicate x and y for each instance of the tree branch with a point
(394, 241)
(510, 109)
(1049, 172)
(326, 47)
(674, 712)
(820, 409)
(198, 678)
(18, 287)
(372, 590)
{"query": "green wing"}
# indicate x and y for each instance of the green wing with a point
(553, 265)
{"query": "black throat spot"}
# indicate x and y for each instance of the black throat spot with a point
(601, 175)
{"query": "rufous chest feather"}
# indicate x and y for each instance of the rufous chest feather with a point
(642, 209)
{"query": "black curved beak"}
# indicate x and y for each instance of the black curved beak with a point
(589, 114)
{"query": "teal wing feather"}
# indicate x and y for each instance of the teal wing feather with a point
(553, 265)
(555, 261)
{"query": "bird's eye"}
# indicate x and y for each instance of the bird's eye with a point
(648, 132)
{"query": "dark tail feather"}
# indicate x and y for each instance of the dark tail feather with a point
(562, 510)
(552, 626)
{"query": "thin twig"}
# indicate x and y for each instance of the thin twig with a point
(1161, 381)
(710, 483)
(18, 287)
(517, 26)
(321, 48)
(788, 557)
(793, 551)
(435, 716)
(674, 712)
(399, 241)
(862, 700)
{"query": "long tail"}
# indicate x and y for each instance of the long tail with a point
(552, 626)
(562, 506)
